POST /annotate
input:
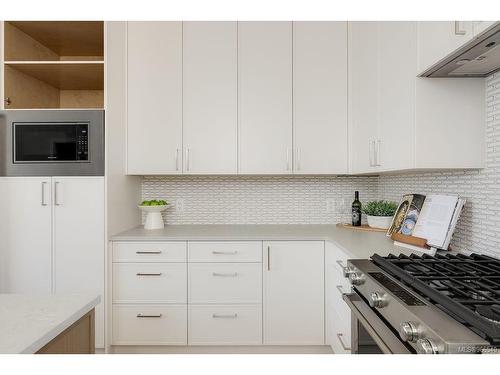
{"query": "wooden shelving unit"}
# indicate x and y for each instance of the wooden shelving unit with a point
(56, 64)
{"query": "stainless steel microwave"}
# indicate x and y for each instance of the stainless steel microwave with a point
(52, 143)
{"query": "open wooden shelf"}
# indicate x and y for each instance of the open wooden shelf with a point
(53, 64)
(54, 40)
(80, 76)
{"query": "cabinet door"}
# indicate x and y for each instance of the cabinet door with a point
(25, 232)
(364, 81)
(210, 97)
(294, 293)
(320, 97)
(154, 97)
(437, 39)
(397, 68)
(265, 97)
(79, 240)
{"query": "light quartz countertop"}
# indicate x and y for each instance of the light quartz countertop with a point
(29, 322)
(356, 244)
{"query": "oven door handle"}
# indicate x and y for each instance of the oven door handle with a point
(387, 341)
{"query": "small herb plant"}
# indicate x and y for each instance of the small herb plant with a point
(380, 208)
(154, 202)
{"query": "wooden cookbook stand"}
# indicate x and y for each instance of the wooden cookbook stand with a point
(413, 243)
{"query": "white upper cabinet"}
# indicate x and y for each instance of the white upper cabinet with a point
(210, 97)
(363, 94)
(400, 121)
(440, 38)
(320, 97)
(265, 97)
(154, 97)
(26, 236)
(396, 97)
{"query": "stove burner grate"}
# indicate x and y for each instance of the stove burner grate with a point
(468, 287)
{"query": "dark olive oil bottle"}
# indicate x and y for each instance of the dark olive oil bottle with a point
(356, 210)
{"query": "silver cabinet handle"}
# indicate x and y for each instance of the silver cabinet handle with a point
(229, 274)
(269, 258)
(215, 252)
(148, 274)
(7, 101)
(44, 202)
(57, 194)
(176, 159)
(149, 316)
(377, 153)
(339, 262)
(148, 252)
(339, 288)
(187, 159)
(222, 316)
(339, 336)
(459, 31)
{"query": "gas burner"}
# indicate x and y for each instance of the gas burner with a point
(491, 313)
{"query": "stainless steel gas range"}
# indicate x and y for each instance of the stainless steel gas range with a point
(425, 304)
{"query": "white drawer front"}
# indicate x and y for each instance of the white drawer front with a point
(225, 251)
(225, 325)
(149, 251)
(225, 283)
(339, 332)
(149, 325)
(149, 283)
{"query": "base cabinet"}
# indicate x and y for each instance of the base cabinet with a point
(338, 315)
(149, 324)
(238, 293)
(225, 325)
(294, 293)
(52, 238)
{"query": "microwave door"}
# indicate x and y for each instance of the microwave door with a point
(39, 143)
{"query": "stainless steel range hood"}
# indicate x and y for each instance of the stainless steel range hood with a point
(478, 58)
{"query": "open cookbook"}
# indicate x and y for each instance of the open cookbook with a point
(432, 217)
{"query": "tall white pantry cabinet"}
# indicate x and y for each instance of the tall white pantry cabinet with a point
(52, 231)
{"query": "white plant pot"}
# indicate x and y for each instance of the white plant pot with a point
(154, 220)
(380, 222)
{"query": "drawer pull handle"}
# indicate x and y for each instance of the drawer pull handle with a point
(339, 336)
(215, 252)
(148, 274)
(231, 274)
(149, 316)
(339, 288)
(219, 316)
(148, 252)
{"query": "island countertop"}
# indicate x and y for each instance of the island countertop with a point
(29, 322)
(357, 244)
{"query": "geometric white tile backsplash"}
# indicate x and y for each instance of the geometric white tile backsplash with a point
(303, 199)
(259, 199)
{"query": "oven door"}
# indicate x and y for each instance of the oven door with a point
(369, 333)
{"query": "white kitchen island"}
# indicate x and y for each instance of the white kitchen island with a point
(59, 324)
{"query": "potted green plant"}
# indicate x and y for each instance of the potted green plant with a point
(379, 213)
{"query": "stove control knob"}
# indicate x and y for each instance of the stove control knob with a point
(356, 279)
(408, 332)
(377, 300)
(347, 271)
(426, 346)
